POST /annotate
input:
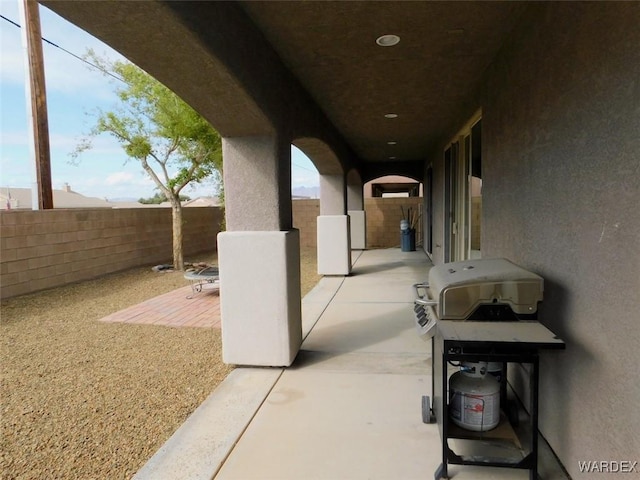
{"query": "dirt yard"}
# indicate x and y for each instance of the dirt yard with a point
(82, 399)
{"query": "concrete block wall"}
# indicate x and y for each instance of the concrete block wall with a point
(50, 248)
(305, 214)
(383, 220)
(200, 229)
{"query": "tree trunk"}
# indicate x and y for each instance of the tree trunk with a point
(176, 215)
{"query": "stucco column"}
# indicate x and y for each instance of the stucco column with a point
(334, 242)
(357, 215)
(257, 183)
(259, 255)
(355, 195)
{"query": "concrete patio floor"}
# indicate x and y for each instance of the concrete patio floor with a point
(349, 407)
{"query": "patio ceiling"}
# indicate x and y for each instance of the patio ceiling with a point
(215, 56)
(428, 79)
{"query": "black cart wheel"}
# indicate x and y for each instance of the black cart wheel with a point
(427, 415)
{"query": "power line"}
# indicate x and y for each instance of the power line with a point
(106, 72)
(11, 21)
(304, 168)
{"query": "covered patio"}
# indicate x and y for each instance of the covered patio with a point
(520, 119)
(348, 408)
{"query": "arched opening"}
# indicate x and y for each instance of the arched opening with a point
(305, 181)
(393, 186)
(332, 220)
(394, 204)
(305, 208)
(320, 154)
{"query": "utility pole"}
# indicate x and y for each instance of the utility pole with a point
(36, 104)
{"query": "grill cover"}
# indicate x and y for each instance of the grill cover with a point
(461, 287)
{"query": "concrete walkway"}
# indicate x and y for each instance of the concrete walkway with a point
(350, 406)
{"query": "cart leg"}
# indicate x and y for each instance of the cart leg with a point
(534, 384)
(433, 377)
(441, 472)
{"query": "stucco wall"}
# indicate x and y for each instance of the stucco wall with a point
(561, 196)
(49, 248)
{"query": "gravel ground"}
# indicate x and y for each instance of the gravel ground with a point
(82, 399)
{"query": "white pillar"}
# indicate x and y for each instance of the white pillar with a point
(259, 255)
(357, 214)
(260, 297)
(358, 229)
(334, 242)
(334, 245)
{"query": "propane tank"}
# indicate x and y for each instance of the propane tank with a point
(474, 398)
(495, 369)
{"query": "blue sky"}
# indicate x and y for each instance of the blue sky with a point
(74, 90)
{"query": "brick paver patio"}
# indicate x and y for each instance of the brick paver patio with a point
(174, 309)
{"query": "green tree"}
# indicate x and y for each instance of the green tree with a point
(158, 198)
(174, 144)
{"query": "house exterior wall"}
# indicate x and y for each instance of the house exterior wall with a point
(561, 197)
(49, 248)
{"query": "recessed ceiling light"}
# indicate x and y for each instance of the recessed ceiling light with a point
(391, 143)
(390, 115)
(388, 40)
(392, 158)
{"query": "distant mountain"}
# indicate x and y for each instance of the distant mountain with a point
(308, 192)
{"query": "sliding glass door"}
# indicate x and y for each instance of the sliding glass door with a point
(463, 194)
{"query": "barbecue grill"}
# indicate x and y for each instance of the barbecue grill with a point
(484, 290)
(482, 312)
